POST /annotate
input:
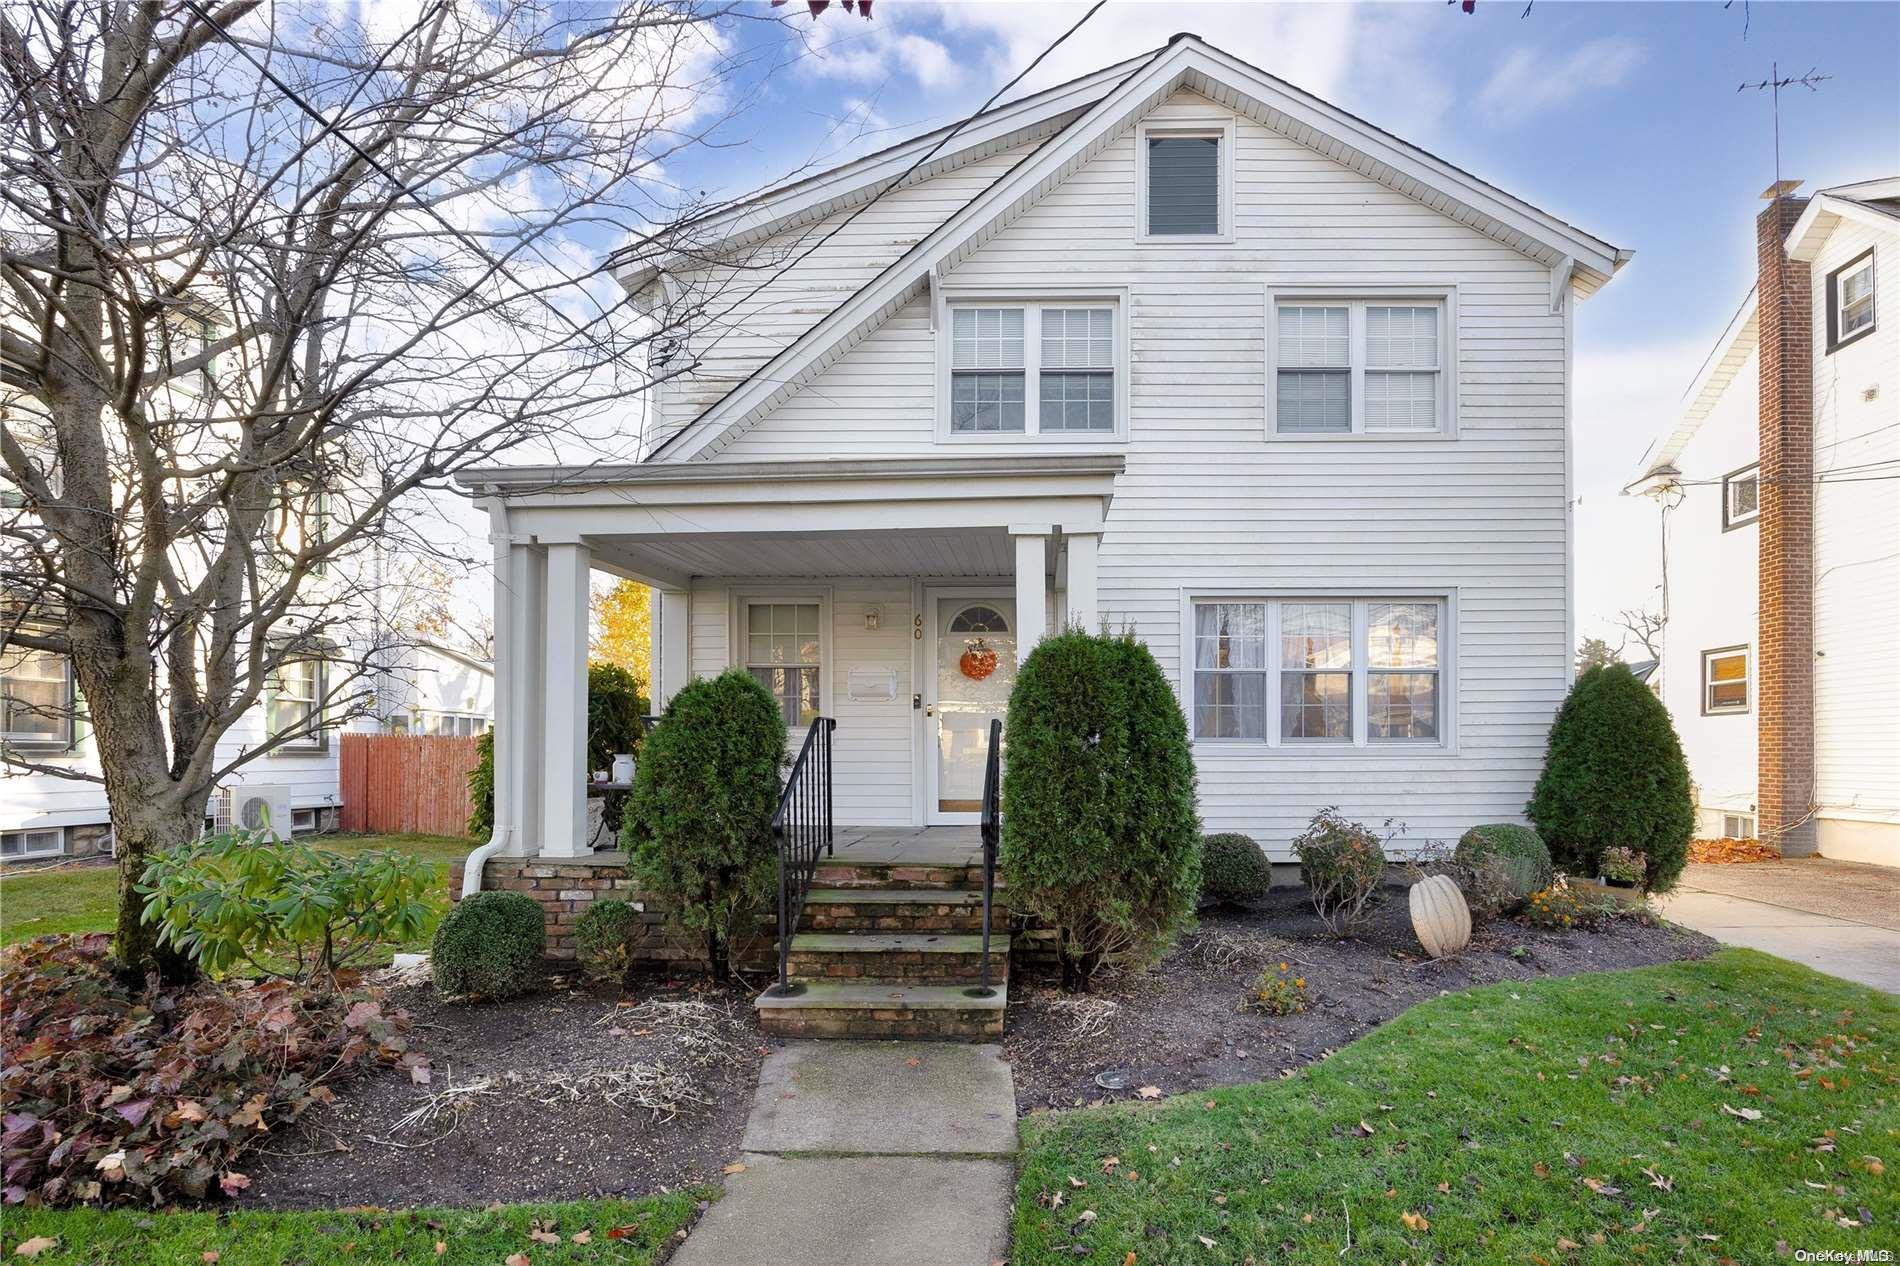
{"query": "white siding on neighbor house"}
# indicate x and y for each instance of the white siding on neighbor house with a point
(872, 753)
(1209, 503)
(1713, 604)
(755, 322)
(1857, 559)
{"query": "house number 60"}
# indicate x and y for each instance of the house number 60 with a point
(917, 627)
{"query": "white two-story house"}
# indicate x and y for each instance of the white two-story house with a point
(1174, 347)
(1782, 558)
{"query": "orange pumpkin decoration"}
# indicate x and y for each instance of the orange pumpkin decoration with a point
(978, 662)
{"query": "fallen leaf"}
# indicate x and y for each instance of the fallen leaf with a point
(1541, 1170)
(1363, 1127)
(582, 1237)
(1746, 1114)
(190, 1110)
(737, 1167)
(1415, 1221)
(1602, 1188)
(1130, 1259)
(1565, 1246)
(1661, 1182)
(441, 1247)
(1109, 1162)
(40, 1243)
(1873, 1166)
(1209, 1105)
(209, 1255)
(913, 1062)
(1148, 1092)
(517, 1259)
(1444, 1188)
(233, 1182)
(420, 1074)
(1205, 1242)
(543, 1237)
(1076, 1182)
(623, 1232)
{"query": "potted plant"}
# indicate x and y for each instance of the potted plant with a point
(1623, 867)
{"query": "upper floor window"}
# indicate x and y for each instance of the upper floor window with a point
(1850, 301)
(1348, 672)
(1359, 367)
(1186, 180)
(1034, 369)
(36, 699)
(1725, 680)
(1741, 497)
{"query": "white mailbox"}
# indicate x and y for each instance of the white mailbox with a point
(872, 685)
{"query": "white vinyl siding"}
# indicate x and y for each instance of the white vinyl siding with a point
(1207, 507)
(1358, 367)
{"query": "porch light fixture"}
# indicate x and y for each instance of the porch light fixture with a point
(873, 616)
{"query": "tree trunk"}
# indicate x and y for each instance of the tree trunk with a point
(140, 831)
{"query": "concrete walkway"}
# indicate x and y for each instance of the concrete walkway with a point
(870, 1154)
(1842, 918)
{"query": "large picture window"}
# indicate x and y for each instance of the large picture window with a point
(36, 699)
(783, 650)
(1315, 672)
(1033, 369)
(1359, 367)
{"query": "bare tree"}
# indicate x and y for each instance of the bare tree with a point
(1646, 627)
(271, 277)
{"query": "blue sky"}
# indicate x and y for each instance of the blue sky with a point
(1622, 118)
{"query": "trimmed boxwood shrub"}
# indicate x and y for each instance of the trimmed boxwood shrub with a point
(603, 939)
(1100, 834)
(1614, 775)
(1514, 852)
(1233, 868)
(489, 945)
(698, 826)
(616, 712)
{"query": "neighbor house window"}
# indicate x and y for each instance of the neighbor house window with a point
(295, 704)
(1184, 185)
(782, 650)
(1359, 367)
(19, 845)
(1738, 826)
(1850, 301)
(1725, 680)
(1343, 672)
(1033, 369)
(36, 699)
(1741, 497)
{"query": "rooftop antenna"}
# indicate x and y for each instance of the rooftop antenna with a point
(1774, 84)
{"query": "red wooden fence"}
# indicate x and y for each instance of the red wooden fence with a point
(406, 783)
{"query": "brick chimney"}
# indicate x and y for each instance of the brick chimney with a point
(1784, 660)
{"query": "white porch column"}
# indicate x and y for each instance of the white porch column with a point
(1032, 586)
(672, 646)
(518, 719)
(1081, 597)
(564, 703)
(507, 673)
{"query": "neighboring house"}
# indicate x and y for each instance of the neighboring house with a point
(1780, 487)
(1173, 347)
(429, 688)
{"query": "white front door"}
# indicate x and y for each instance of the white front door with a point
(972, 650)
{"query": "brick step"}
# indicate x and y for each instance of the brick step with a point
(839, 872)
(858, 1010)
(907, 958)
(898, 910)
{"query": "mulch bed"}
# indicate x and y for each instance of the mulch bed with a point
(1178, 1026)
(546, 1124)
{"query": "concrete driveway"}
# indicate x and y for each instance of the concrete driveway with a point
(1838, 917)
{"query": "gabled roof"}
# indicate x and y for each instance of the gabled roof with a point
(1874, 202)
(1186, 62)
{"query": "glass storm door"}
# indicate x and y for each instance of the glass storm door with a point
(974, 649)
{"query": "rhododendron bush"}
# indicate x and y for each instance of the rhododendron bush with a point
(121, 1096)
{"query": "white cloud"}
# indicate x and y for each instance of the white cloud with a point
(876, 52)
(1535, 79)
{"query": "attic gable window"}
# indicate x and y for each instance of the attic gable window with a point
(1185, 181)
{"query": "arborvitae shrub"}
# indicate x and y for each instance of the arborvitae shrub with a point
(1233, 868)
(1514, 853)
(698, 826)
(489, 945)
(1614, 775)
(1100, 833)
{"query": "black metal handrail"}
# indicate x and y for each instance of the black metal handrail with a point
(991, 828)
(802, 829)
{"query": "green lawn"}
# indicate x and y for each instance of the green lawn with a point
(367, 1237)
(1587, 1120)
(81, 898)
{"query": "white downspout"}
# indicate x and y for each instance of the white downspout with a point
(507, 651)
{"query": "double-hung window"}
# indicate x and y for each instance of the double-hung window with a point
(783, 651)
(295, 706)
(1850, 301)
(1297, 672)
(1725, 681)
(1359, 367)
(1033, 369)
(36, 699)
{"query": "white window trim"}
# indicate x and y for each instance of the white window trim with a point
(316, 742)
(1360, 745)
(1357, 297)
(741, 598)
(1747, 653)
(67, 743)
(1731, 521)
(1032, 304)
(1220, 126)
(1754, 827)
(58, 850)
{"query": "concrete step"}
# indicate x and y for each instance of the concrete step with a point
(842, 872)
(912, 958)
(859, 1009)
(898, 910)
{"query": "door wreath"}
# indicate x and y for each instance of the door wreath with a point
(978, 661)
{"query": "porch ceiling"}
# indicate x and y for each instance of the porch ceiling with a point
(923, 554)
